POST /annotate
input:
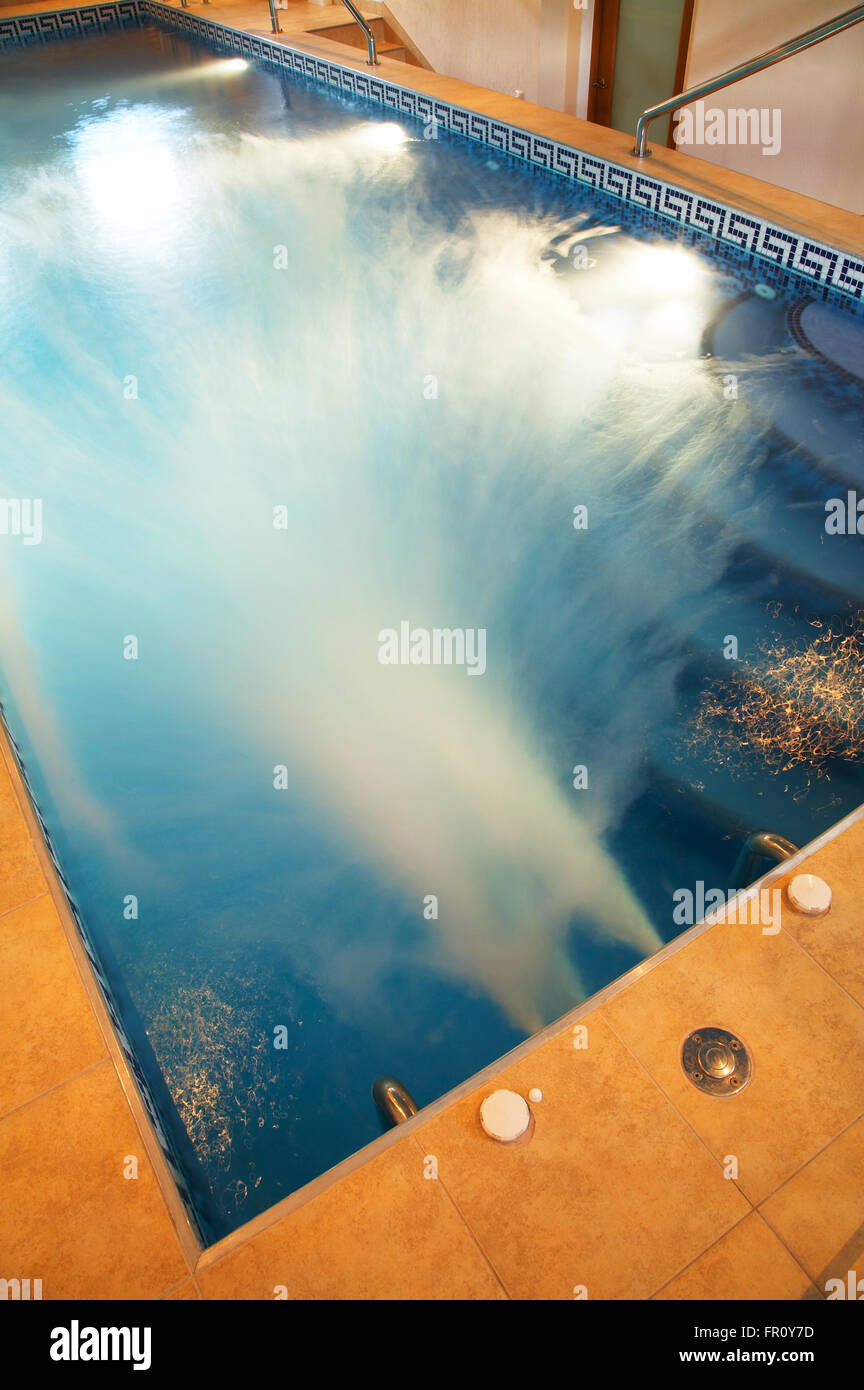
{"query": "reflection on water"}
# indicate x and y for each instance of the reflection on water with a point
(212, 321)
(799, 705)
(221, 1070)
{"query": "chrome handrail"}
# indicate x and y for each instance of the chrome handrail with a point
(393, 1099)
(764, 60)
(370, 37)
(760, 844)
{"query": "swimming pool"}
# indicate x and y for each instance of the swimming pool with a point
(291, 385)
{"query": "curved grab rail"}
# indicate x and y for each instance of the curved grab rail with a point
(764, 60)
(393, 1099)
(370, 37)
(760, 844)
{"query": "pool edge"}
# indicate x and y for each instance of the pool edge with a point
(190, 1243)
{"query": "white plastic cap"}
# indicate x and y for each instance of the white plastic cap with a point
(809, 894)
(535, 1096)
(505, 1116)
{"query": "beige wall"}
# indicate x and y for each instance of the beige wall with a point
(820, 94)
(559, 75)
(539, 47)
(495, 43)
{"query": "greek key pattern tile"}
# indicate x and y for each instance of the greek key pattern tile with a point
(64, 24)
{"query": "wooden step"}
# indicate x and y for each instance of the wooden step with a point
(393, 50)
(388, 44)
(351, 33)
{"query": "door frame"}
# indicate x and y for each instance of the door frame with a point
(681, 63)
(604, 42)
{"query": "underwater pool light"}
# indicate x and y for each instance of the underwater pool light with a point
(384, 135)
(128, 172)
(660, 270)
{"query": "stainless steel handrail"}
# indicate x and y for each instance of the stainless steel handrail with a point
(394, 1099)
(764, 60)
(760, 844)
(370, 37)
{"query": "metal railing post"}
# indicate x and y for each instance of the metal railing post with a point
(274, 18)
(370, 37)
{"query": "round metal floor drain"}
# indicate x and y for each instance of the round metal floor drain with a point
(716, 1062)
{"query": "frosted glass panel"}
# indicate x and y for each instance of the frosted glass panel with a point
(645, 58)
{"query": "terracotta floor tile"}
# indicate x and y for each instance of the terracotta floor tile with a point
(186, 1293)
(748, 1263)
(20, 875)
(384, 1232)
(819, 1213)
(786, 1009)
(835, 939)
(68, 1215)
(47, 1028)
(613, 1192)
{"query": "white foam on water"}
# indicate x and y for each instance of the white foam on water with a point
(307, 387)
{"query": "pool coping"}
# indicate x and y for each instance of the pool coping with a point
(687, 192)
(197, 1253)
(99, 999)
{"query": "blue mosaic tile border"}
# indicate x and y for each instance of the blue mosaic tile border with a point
(818, 264)
(65, 24)
(164, 1139)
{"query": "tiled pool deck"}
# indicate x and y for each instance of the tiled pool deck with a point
(625, 1188)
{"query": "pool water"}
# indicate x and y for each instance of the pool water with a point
(282, 374)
